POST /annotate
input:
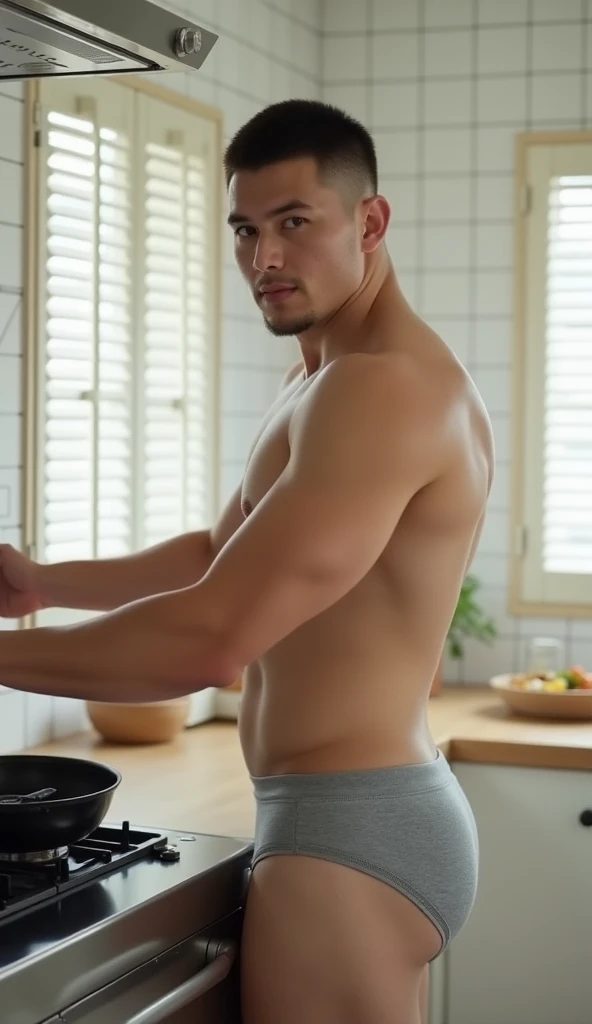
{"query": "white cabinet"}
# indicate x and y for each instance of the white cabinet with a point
(525, 955)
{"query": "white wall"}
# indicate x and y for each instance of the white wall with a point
(445, 85)
(267, 51)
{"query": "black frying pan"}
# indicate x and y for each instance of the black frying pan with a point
(54, 801)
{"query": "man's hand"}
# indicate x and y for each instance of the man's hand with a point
(19, 584)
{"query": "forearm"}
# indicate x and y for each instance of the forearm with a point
(153, 649)
(105, 584)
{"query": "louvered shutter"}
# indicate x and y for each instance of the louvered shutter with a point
(180, 252)
(567, 527)
(557, 482)
(85, 324)
(127, 377)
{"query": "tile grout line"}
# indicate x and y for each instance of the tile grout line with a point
(439, 79)
(450, 29)
(369, 87)
(528, 69)
(474, 190)
(585, 71)
(420, 157)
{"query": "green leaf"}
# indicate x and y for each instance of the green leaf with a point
(469, 620)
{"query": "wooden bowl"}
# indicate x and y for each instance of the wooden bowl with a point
(567, 704)
(158, 722)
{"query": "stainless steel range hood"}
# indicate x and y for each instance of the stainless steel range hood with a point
(96, 37)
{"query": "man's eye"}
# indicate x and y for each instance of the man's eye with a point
(294, 222)
(245, 231)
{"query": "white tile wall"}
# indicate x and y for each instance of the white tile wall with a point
(268, 50)
(448, 85)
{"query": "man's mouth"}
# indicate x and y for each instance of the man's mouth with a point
(276, 292)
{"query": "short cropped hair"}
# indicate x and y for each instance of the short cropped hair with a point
(295, 129)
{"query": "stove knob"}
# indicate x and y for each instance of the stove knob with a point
(169, 853)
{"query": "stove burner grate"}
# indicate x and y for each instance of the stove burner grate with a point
(28, 879)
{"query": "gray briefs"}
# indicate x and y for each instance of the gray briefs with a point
(410, 826)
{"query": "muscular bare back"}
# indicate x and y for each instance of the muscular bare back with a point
(348, 688)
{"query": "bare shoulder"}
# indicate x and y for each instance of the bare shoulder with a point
(422, 412)
(388, 388)
(372, 411)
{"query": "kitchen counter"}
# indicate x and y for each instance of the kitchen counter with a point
(199, 782)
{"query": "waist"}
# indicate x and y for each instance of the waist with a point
(393, 781)
(315, 722)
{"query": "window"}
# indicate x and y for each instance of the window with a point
(127, 272)
(553, 569)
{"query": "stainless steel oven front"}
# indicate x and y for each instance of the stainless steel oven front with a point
(195, 982)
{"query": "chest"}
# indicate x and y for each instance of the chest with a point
(269, 454)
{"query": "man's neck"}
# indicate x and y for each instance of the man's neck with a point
(356, 326)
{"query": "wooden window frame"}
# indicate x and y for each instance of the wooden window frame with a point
(518, 605)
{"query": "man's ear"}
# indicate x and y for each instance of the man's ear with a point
(377, 219)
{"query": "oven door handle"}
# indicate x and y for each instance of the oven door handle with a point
(211, 975)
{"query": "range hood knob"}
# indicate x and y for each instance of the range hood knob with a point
(187, 40)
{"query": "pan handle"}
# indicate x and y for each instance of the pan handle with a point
(210, 976)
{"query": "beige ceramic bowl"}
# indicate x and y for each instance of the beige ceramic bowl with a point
(139, 723)
(568, 704)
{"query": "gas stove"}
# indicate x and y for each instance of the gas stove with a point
(26, 880)
(132, 925)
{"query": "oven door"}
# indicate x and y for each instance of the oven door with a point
(195, 982)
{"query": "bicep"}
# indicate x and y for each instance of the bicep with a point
(300, 551)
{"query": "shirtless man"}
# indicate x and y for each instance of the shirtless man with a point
(333, 575)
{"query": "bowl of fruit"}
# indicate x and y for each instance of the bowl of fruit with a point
(565, 694)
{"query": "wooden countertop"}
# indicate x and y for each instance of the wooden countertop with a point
(200, 783)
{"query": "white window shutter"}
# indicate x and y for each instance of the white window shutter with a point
(70, 202)
(179, 251)
(86, 454)
(567, 503)
(128, 274)
(199, 317)
(114, 397)
(164, 331)
(557, 484)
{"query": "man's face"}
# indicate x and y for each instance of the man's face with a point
(296, 244)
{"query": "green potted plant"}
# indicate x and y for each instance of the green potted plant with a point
(469, 620)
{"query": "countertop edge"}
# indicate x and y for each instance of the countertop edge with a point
(518, 754)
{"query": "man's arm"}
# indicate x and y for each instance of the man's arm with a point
(105, 584)
(363, 442)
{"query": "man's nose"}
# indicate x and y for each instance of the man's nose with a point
(268, 253)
